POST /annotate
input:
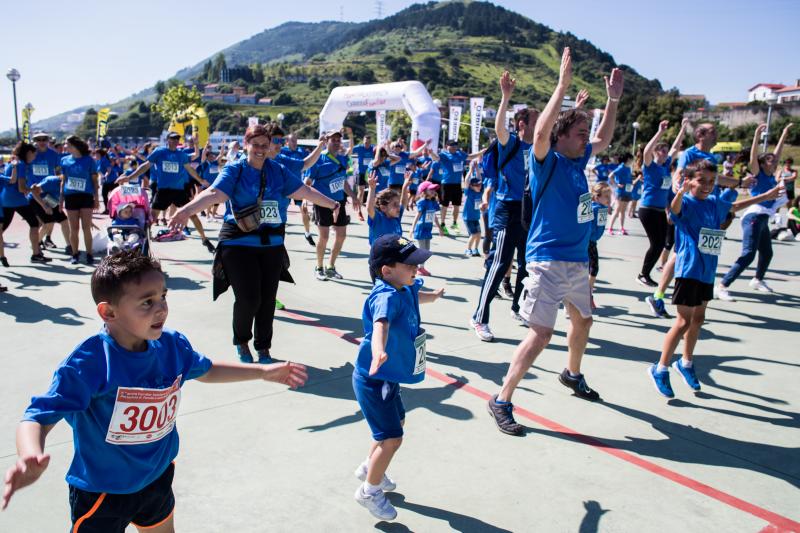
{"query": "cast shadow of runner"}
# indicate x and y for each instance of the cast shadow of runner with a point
(456, 521)
(492, 371)
(336, 383)
(591, 520)
(177, 283)
(29, 311)
(31, 281)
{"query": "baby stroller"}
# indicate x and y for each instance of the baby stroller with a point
(129, 232)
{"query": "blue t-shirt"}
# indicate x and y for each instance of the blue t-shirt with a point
(623, 178)
(657, 184)
(364, 155)
(511, 178)
(328, 175)
(427, 209)
(692, 154)
(399, 169)
(600, 215)
(50, 189)
(435, 172)
(78, 175)
(452, 166)
(603, 170)
(11, 197)
(697, 233)
(636, 193)
(168, 167)
(472, 204)
(208, 170)
(240, 182)
(92, 381)
(762, 184)
(489, 182)
(384, 170)
(561, 224)
(44, 164)
(400, 308)
(299, 153)
(384, 225)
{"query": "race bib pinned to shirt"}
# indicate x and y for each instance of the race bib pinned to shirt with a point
(170, 166)
(458, 167)
(384, 171)
(40, 170)
(666, 182)
(76, 184)
(421, 353)
(128, 189)
(602, 216)
(628, 187)
(337, 185)
(270, 214)
(429, 217)
(585, 208)
(710, 241)
(50, 201)
(477, 205)
(144, 415)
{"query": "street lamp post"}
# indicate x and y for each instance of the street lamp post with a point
(280, 118)
(444, 135)
(635, 129)
(13, 75)
(772, 99)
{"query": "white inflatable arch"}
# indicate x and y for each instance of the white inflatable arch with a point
(409, 95)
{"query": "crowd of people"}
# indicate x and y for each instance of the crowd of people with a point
(526, 195)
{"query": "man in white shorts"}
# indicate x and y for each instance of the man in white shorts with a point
(557, 249)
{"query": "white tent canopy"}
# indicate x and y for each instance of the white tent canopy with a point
(409, 95)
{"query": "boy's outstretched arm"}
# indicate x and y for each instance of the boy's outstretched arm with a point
(380, 334)
(32, 461)
(428, 297)
(292, 374)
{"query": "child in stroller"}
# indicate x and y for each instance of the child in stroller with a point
(130, 219)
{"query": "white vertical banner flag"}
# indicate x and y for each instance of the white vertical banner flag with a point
(252, 121)
(476, 118)
(387, 132)
(380, 126)
(455, 122)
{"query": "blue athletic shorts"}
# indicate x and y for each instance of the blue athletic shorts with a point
(382, 406)
(473, 226)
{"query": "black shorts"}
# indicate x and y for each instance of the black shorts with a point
(111, 513)
(78, 201)
(790, 192)
(594, 259)
(167, 197)
(324, 216)
(58, 216)
(25, 211)
(691, 292)
(451, 194)
(362, 179)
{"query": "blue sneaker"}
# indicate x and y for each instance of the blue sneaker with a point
(264, 358)
(243, 351)
(688, 375)
(657, 307)
(661, 381)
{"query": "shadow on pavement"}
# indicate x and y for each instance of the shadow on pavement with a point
(177, 283)
(591, 520)
(457, 521)
(28, 310)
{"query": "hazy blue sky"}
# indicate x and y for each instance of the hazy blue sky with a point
(87, 52)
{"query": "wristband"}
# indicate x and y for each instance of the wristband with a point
(613, 99)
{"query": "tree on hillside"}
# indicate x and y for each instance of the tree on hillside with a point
(217, 65)
(175, 101)
(87, 129)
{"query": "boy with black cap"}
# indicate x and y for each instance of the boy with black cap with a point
(392, 352)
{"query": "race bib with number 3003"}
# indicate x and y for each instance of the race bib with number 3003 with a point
(170, 166)
(76, 184)
(585, 208)
(419, 348)
(144, 415)
(710, 241)
(270, 214)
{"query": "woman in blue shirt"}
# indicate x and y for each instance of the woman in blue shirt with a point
(80, 194)
(251, 256)
(622, 180)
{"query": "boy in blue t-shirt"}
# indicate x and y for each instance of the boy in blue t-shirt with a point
(601, 199)
(392, 352)
(473, 198)
(697, 216)
(120, 390)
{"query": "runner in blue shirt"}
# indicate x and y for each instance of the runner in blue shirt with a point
(558, 239)
(473, 200)
(80, 194)
(601, 199)
(452, 161)
(385, 209)
(698, 215)
(425, 219)
(382, 165)
(365, 152)
(621, 178)
(120, 392)
(602, 170)
(392, 352)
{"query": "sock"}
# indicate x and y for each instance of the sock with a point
(370, 490)
(498, 401)
(661, 368)
(307, 233)
(573, 376)
(658, 295)
(686, 363)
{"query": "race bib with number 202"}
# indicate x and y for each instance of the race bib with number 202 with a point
(144, 415)
(419, 347)
(585, 208)
(710, 241)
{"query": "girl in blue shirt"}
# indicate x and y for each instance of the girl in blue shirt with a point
(385, 209)
(80, 194)
(601, 199)
(473, 199)
(622, 180)
(427, 216)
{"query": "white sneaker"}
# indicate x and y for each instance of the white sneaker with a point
(797, 237)
(784, 236)
(722, 294)
(482, 330)
(386, 485)
(760, 285)
(377, 504)
(518, 317)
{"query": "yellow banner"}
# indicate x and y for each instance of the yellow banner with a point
(197, 117)
(27, 111)
(102, 122)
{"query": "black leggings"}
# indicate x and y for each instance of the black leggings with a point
(655, 225)
(254, 274)
(105, 190)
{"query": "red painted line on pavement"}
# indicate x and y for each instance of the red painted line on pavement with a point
(777, 523)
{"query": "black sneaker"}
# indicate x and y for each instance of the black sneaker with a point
(89, 259)
(74, 260)
(578, 386)
(647, 281)
(68, 249)
(209, 246)
(503, 414)
(507, 290)
(40, 258)
(4, 261)
(49, 242)
(310, 240)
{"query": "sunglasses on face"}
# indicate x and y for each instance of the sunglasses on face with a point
(279, 141)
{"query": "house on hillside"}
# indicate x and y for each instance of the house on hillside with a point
(248, 99)
(762, 91)
(211, 88)
(789, 94)
(265, 101)
(459, 101)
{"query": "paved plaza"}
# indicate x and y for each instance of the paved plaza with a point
(259, 457)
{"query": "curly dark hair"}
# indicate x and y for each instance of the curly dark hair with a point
(79, 144)
(115, 271)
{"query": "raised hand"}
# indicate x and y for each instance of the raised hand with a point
(761, 128)
(565, 73)
(615, 84)
(372, 181)
(663, 125)
(581, 98)
(507, 84)
(684, 124)
(786, 129)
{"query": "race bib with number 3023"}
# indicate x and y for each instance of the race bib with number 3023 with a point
(710, 241)
(270, 214)
(144, 415)
(419, 348)
(585, 208)
(76, 184)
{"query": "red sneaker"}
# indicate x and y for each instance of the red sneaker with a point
(422, 271)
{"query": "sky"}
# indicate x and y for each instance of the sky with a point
(92, 51)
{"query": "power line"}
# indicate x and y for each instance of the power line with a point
(379, 8)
